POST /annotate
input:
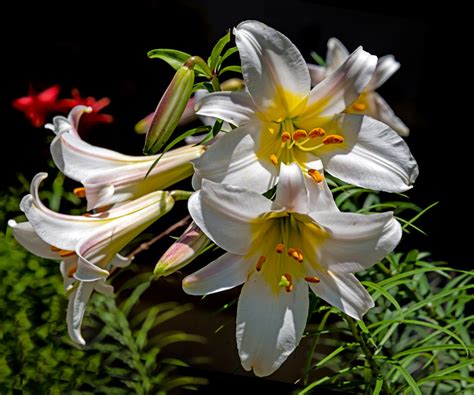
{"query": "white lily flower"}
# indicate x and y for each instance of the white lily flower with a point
(280, 120)
(369, 102)
(108, 176)
(277, 249)
(88, 246)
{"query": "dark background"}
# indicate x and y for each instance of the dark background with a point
(102, 51)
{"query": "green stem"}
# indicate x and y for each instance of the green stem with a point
(215, 83)
(369, 356)
(180, 195)
(194, 60)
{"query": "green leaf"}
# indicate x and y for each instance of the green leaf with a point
(409, 379)
(174, 58)
(176, 141)
(378, 385)
(386, 294)
(236, 69)
(228, 53)
(217, 50)
(318, 59)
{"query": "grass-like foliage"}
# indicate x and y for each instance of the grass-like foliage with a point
(123, 354)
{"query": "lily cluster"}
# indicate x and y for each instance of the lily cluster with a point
(292, 123)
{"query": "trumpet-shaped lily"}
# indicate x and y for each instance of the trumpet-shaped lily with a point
(109, 177)
(369, 102)
(87, 245)
(280, 120)
(278, 249)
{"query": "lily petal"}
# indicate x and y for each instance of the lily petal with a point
(223, 211)
(26, 236)
(343, 291)
(233, 160)
(386, 67)
(59, 230)
(270, 61)
(372, 156)
(235, 107)
(383, 112)
(336, 55)
(319, 196)
(76, 308)
(291, 192)
(356, 241)
(342, 87)
(269, 325)
(316, 73)
(226, 272)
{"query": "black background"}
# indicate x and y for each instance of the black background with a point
(101, 49)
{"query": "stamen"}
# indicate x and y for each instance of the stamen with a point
(333, 139)
(315, 175)
(71, 271)
(66, 253)
(80, 192)
(300, 134)
(274, 159)
(260, 263)
(279, 248)
(312, 279)
(285, 136)
(296, 254)
(54, 249)
(359, 106)
(316, 132)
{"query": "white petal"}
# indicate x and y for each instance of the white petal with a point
(226, 272)
(343, 291)
(26, 236)
(66, 267)
(120, 261)
(382, 112)
(128, 182)
(372, 156)
(233, 160)
(342, 87)
(386, 67)
(104, 288)
(271, 63)
(87, 271)
(317, 73)
(336, 55)
(236, 108)
(62, 231)
(269, 324)
(76, 308)
(319, 196)
(228, 215)
(291, 190)
(356, 241)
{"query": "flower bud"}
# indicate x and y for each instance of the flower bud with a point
(183, 251)
(170, 109)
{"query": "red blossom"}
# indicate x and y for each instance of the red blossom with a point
(37, 106)
(96, 105)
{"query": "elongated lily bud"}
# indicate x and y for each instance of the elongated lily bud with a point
(182, 251)
(170, 108)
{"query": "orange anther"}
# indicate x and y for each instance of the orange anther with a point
(333, 139)
(260, 263)
(71, 271)
(312, 279)
(80, 192)
(279, 248)
(316, 132)
(299, 134)
(66, 253)
(274, 159)
(285, 136)
(315, 175)
(359, 107)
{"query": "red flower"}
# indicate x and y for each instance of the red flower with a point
(37, 106)
(96, 105)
